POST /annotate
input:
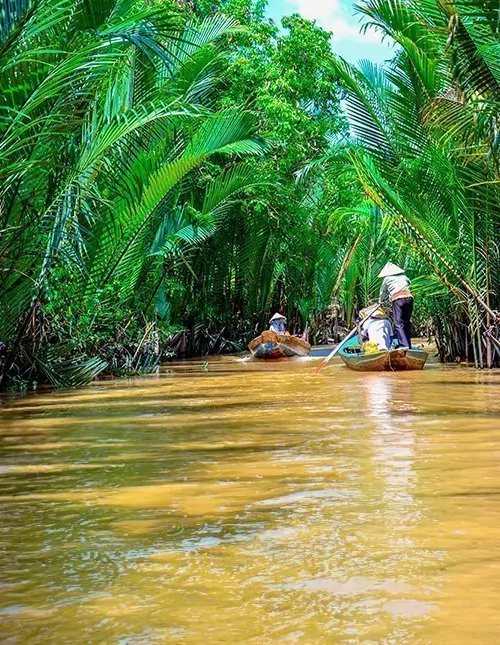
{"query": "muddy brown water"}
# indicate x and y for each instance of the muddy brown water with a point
(231, 501)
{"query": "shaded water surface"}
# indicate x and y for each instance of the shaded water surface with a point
(237, 502)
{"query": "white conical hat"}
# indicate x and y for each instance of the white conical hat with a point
(390, 269)
(277, 317)
(372, 312)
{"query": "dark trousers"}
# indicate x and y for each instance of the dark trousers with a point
(401, 313)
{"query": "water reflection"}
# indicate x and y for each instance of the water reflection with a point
(392, 436)
(253, 503)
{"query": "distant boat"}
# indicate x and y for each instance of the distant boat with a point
(270, 345)
(395, 360)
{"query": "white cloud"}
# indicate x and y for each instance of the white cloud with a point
(332, 16)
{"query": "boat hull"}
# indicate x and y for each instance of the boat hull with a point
(394, 361)
(271, 346)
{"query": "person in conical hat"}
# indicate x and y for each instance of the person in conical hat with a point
(396, 288)
(390, 269)
(372, 312)
(375, 327)
(278, 323)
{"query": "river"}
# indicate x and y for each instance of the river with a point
(232, 501)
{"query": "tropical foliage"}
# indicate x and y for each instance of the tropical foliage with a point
(172, 172)
(108, 109)
(127, 132)
(273, 250)
(425, 157)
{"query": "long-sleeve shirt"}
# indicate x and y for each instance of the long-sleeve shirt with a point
(394, 284)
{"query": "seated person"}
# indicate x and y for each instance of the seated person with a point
(278, 323)
(376, 329)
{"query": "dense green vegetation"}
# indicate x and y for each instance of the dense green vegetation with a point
(171, 173)
(426, 156)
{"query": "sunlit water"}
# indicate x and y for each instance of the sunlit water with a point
(241, 502)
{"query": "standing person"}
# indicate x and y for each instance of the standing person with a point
(376, 328)
(278, 323)
(396, 288)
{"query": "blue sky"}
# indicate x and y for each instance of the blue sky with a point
(336, 16)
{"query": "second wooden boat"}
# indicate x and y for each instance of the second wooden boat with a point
(270, 345)
(396, 360)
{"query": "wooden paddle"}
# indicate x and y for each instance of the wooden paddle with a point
(325, 361)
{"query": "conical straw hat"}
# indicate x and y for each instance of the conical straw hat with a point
(372, 312)
(390, 269)
(277, 317)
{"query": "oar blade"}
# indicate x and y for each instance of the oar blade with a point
(321, 366)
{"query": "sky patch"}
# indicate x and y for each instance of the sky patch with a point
(337, 16)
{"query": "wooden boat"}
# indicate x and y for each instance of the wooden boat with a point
(395, 360)
(270, 345)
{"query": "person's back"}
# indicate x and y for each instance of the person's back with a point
(396, 288)
(376, 328)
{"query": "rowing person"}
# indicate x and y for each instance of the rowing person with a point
(278, 323)
(396, 288)
(376, 327)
